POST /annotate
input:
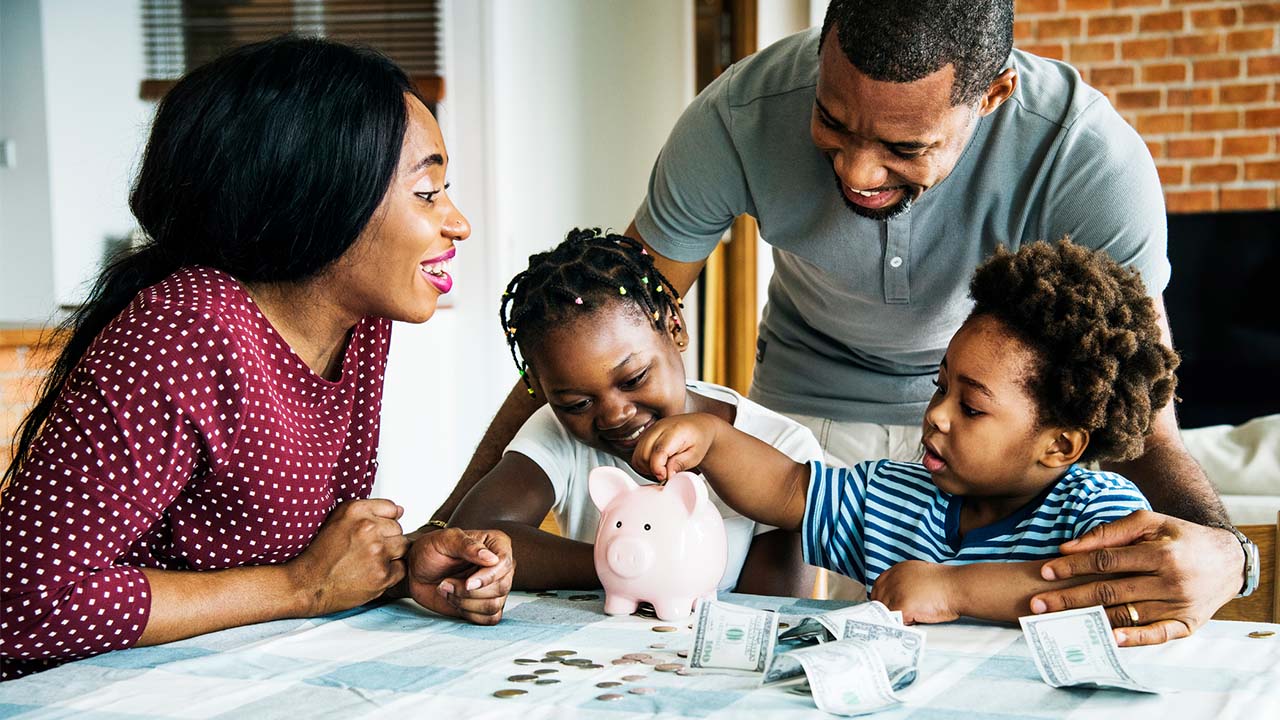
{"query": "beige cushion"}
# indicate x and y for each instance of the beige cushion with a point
(1243, 463)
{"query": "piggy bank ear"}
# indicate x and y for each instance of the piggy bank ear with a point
(689, 489)
(607, 483)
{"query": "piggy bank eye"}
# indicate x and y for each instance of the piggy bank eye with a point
(646, 526)
(619, 523)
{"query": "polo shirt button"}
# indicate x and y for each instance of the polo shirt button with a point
(896, 262)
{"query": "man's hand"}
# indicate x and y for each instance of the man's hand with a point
(923, 591)
(462, 573)
(1175, 575)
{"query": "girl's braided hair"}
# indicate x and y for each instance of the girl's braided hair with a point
(1100, 364)
(581, 275)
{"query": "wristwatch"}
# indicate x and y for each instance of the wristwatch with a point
(1252, 571)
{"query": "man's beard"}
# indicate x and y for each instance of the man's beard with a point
(884, 213)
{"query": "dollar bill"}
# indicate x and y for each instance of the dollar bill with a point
(1076, 648)
(900, 648)
(829, 626)
(732, 639)
(845, 677)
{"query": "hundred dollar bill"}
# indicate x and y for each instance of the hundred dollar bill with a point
(1076, 648)
(732, 639)
(845, 677)
(900, 648)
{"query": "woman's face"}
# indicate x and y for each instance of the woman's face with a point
(609, 375)
(399, 266)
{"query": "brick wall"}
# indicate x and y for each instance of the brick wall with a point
(1200, 80)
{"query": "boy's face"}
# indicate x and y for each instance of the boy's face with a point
(980, 434)
(609, 375)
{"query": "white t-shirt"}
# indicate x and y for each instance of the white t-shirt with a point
(567, 463)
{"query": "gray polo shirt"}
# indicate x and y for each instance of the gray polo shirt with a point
(860, 311)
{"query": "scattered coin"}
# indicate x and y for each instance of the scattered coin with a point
(657, 646)
(509, 693)
(575, 661)
(1261, 634)
(642, 691)
(637, 656)
(668, 667)
(634, 678)
(580, 598)
(522, 678)
(547, 593)
(551, 659)
(561, 653)
(625, 661)
(665, 628)
(545, 671)
(783, 626)
(651, 661)
(610, 696)
(608, 684)
(592, 666)
(683, 671)
(682, 653)
(545, 681)
(526, 661)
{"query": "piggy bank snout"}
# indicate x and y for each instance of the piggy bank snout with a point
(629, 557)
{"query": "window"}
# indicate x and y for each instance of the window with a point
(182, 34)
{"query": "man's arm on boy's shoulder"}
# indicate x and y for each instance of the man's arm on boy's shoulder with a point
(1175, 571)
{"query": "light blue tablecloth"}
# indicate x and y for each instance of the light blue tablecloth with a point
(398, 661)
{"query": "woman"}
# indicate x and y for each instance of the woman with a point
(200, 454)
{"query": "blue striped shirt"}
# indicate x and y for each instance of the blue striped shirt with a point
(863, 520)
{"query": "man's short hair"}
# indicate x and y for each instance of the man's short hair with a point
(906, 40)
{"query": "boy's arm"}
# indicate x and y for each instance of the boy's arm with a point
(750, 475)
(929, 592)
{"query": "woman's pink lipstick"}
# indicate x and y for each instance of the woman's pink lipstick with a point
(436, 271)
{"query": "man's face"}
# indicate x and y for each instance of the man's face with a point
(888, 142)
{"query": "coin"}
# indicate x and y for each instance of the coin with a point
(682, 653)
(522, 678)
(592, 666)
(579, 598)
(545, 671)
(545, 681)
(683, 671)
(561, 653)
(1261, 634)
(665, 628)
(643, 691)
(509, 693)
(526, 661)
(575, 661)
(625, 661)
(657, 646)
(610, 696)
(547, 593)
(608, 684)
(668, 667)
(783, 626)
(637, 656)
(634, 678)
(551, 659)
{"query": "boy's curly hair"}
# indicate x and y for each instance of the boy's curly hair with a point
(1100, 365)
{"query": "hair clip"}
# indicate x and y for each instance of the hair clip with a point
(622, 290)
(577, 301)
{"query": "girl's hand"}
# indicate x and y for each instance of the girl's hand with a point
(462, 573)
(674, 444)
(354, 558)
(923, 591)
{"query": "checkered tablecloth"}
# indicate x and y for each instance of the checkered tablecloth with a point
(399, 661)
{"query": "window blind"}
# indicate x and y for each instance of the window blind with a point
(179, 35)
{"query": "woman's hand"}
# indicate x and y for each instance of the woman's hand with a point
(674, 444)
(354, 558)
(1176, 574)
(923, 591)
(462, 573)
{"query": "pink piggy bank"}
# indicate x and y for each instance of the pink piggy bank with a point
(664, 544)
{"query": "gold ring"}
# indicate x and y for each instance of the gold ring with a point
(1133, 613)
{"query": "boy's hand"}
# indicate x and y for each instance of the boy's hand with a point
(923, 591)
(674, 444)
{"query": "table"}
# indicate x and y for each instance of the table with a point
(396, 660)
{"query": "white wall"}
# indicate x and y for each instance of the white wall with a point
(555, 111)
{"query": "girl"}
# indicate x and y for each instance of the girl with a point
(202, 452)
(601, 334)
(1060, 362)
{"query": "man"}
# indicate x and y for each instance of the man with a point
(885, 157)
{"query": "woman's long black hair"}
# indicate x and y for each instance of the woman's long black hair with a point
(266, 163)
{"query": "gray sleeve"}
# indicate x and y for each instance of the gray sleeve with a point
(697, 186)
(1105, 193)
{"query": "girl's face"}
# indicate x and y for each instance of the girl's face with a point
(399, 267)
(980, 434)
(610, 375)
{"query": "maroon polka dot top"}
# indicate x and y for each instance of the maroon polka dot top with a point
(189, 437)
